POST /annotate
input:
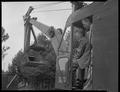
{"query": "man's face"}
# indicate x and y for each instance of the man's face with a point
(76, 34)
(86, 23)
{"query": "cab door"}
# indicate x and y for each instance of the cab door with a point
(105, 48)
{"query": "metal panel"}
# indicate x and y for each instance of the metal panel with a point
(84, 12)
(105, 49)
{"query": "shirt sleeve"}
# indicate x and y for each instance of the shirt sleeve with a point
(84, 52)
(81, 49)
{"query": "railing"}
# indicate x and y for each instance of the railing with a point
(46, 85)
(42, 84)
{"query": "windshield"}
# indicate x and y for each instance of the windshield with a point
(65, 43)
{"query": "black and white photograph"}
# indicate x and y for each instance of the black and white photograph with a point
(60, 45)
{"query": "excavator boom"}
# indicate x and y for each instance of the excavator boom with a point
(59, 44)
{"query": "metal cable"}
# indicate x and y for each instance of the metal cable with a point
(52, 10)
(46, 5)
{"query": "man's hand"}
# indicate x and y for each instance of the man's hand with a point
(74, 63)
(51, 32)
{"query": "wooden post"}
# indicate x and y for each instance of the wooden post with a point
(27, 36)
(27, 28)
(25, 32)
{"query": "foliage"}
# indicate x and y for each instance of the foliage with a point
(6, 78)
(48, 57)
(4, 38)
(47, 70)
(18, 60)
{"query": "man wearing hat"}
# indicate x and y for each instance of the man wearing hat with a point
(81, 56)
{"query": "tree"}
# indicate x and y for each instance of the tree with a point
(4, 38)
(17, 61)
(6, 78)
(33, 73)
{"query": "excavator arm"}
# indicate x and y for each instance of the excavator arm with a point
(61, 48)
(47, 30)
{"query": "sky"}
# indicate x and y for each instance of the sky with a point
(12, 22)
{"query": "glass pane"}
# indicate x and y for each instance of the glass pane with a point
(31, 39)
(62, 63)
(65, 45)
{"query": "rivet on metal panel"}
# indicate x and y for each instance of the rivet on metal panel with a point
(105, 3)
(98, 18)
